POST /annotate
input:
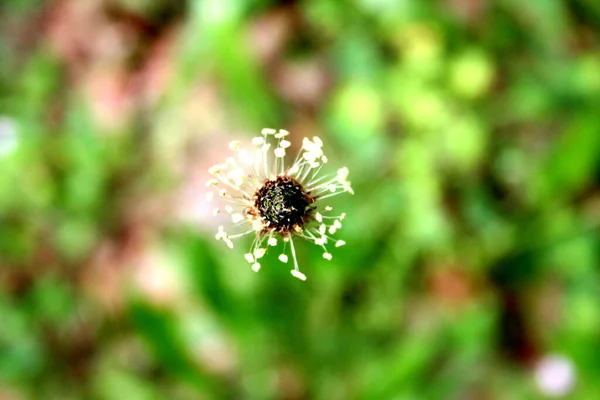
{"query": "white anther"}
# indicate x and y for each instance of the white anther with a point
(279, 152)
(259, 253)
(268, 131)
(298, 274)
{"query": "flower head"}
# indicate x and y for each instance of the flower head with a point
(278, 203)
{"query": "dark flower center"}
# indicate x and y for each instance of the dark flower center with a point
(283, 204)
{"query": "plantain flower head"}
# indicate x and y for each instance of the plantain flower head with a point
(276, 203)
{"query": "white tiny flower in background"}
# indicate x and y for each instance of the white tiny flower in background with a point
(8, 135)
(271, 201)
(554, 375)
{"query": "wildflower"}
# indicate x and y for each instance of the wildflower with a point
(276, 203)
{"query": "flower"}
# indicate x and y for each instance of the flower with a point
(275, 203)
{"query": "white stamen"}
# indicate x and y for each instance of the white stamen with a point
(282, 133)
(272, 241)
(279, 152)
(259, 253)
(298, 274)
(234, 145)
(283, 258)
(327, 256)
(249, 257)
(256, 267)
(339, 243)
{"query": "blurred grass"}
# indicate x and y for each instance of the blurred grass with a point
(472, 133)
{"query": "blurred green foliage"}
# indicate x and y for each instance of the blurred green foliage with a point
(472, 133)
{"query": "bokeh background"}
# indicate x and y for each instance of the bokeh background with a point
(471, 129)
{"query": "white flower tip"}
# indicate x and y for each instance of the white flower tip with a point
(257, 141)
(283, 258)
(268, 131)
(255, 267)
(235, 218)
(319, 217)
(339, 243)
(259, 253)
(327, 256)
(212, 182)
(249, 257)
(328, 208)
(284, 144)
(272, 241)
(298, 274)
(216, 212)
